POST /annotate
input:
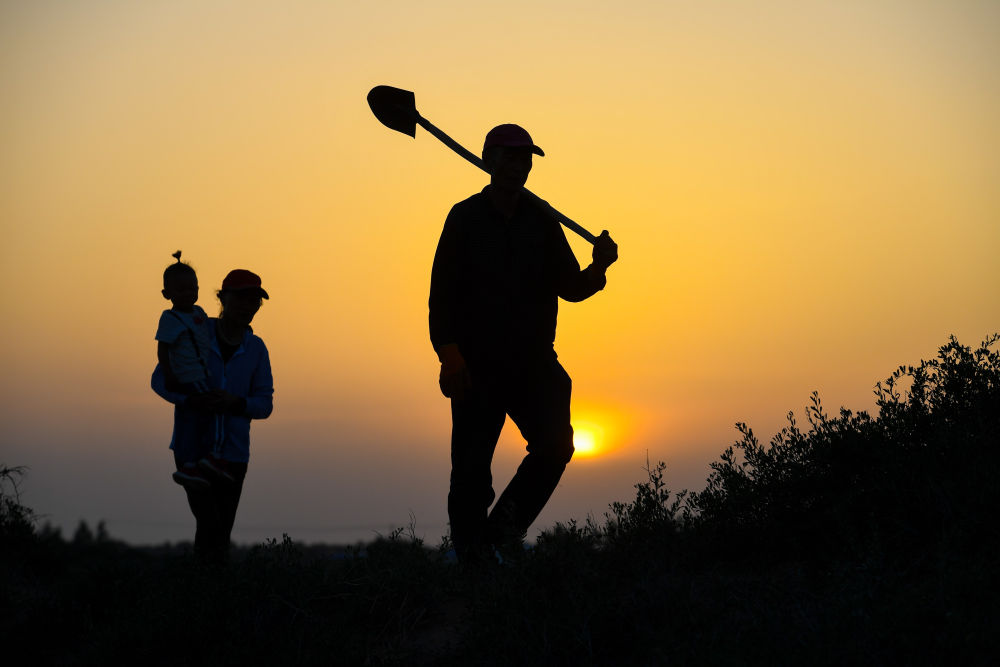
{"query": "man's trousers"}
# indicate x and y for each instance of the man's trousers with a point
(536, 395)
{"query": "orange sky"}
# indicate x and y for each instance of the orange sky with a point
(804, 194)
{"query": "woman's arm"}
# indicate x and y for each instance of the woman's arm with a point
(159, 384)
(260, 401)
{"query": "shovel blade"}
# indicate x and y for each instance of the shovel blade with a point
(395, 108)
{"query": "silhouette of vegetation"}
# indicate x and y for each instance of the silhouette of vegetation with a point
(16, 521)
(854, 484)
(857, 539)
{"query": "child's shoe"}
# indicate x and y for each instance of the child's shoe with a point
(217, 467)
(190, 477)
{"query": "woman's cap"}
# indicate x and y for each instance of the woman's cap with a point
(512, 135)
(241, 279)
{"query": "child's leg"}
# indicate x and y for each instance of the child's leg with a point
(207, 426)
(188, 475)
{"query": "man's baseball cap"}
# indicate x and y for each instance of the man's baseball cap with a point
(241, 279)
(512, 135)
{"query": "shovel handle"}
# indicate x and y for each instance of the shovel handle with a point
(559, 217)
(450, 143)
(471, 157)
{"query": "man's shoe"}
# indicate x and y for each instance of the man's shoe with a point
(478, 559)
(505, 535)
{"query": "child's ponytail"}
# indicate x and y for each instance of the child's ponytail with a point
(176, 268)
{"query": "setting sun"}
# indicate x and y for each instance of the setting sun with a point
(599, 429)
(587, 439)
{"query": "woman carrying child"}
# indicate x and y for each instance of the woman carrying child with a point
(212, 467)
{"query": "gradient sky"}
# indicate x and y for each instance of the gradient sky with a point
(804, 194)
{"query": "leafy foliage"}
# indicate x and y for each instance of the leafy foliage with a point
(17, 522)
(851, 482)
(653, 513)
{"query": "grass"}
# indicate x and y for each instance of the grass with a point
(857, 539)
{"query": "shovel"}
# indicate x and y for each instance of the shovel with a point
(396, 109)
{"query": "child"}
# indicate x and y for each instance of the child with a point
(184, 343)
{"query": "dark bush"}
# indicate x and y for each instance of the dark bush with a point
(919, 471)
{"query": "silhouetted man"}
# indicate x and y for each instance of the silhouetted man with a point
(501, 265)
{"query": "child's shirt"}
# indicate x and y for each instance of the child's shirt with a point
(189, 340)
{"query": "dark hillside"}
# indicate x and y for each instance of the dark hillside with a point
(854, 539)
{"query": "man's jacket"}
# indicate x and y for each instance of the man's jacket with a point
(495, 284)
